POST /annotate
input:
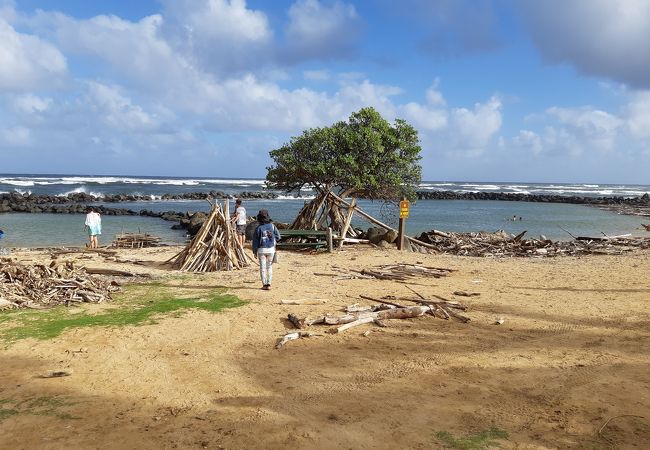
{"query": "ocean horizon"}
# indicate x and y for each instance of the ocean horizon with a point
(547, 219)
(64, 184)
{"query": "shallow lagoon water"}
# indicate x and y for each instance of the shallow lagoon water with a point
(40, 230)
(548, 219)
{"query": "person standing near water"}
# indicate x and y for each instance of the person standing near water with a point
(239, 219)
(3, 252)
(264, 239)
(93, 225)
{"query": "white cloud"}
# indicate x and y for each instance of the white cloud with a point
(637, 115)
(425, 118)
(318, 31)
(31, 104)
(594, 129)
(599, 37)
(7, 10)
(223, 36)
(116, 110)
(434, 96)
(590, 133)
(473, 129)
(528, 141)
(133, 51)
(220, 21)
(28, 62)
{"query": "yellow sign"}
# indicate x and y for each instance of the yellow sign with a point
(404, 209)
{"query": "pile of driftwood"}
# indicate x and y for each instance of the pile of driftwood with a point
(402, 272)
(501, 244)
(40, 285)
(215, 247)
(395, 272)
(388, 308)
(135, 240)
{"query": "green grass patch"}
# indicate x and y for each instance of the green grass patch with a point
(136, 305)
(39, 406)
(476, 441)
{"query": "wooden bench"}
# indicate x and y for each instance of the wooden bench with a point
(318, 244)
(314, 239)
(303, 233)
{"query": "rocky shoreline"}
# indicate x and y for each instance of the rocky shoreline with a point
(643, 200)
(76, 203)
(16, 199)
(631, 206)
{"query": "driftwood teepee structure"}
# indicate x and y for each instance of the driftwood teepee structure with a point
(325, 210)
(330, 210)
(214, 247)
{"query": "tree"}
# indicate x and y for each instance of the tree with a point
(363, 157)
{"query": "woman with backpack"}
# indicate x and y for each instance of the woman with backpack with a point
(264, 239)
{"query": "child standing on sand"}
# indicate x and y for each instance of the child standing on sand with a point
(264, 239)
(93, 225)
(239, 218)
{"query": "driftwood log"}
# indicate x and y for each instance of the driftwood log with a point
(293, 336)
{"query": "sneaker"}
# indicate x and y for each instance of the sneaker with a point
(265, 287)
(268, 287)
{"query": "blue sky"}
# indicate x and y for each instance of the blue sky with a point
(500, 90)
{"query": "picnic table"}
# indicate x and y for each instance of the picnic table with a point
(307, 239)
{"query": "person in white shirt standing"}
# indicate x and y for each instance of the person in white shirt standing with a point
(93, 225)
(239, 219)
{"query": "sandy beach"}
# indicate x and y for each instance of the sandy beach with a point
(568, 368)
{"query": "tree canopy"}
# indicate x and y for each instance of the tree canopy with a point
(365, 157)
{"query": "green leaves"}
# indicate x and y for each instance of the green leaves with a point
(365, 156)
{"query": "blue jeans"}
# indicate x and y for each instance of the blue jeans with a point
(266, 267)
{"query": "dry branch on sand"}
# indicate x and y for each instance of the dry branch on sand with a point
(293, 336)
(390, 307)
(358, 315)
(395, 272)
(501, 244)
(215, 247)
(39, 285)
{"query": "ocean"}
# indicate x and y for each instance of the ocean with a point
(548, 219)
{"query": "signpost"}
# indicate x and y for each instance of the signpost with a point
(403, 215)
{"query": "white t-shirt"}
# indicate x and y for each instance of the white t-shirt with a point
(241, 215)
(93, 219)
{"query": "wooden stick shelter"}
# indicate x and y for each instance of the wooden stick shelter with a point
(215, 247)
(135, 240)
(327, 206)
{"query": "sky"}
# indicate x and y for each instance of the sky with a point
(499, 90)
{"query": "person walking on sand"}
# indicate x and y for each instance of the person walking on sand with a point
(93, 225)
(264, 239)
(239, 219)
